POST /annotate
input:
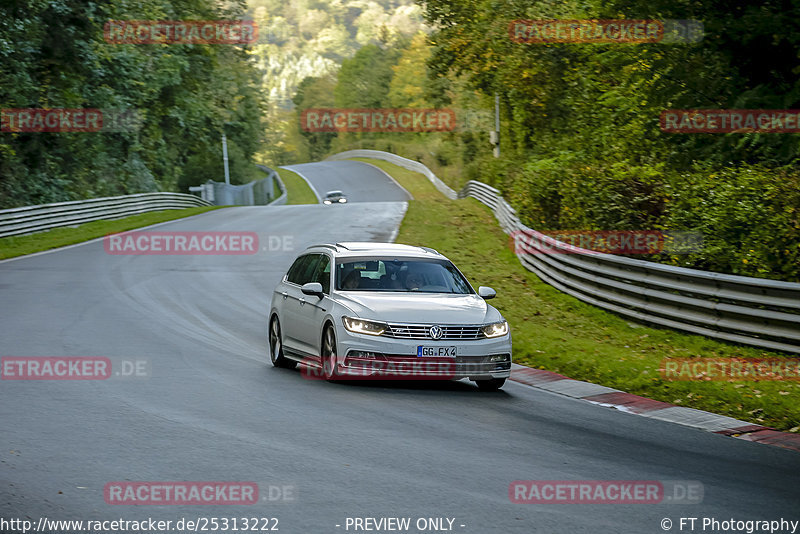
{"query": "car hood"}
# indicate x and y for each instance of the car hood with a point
(420, 307)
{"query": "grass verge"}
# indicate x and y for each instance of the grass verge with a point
(557, 332)
(11, 247)
(298, 190)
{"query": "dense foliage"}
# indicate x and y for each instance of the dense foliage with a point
(582, 147)
(580, 136)
(54, 55)
(311, 38)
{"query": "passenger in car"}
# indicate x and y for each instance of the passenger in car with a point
(352, 280)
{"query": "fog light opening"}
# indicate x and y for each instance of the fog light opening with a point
(361, 358)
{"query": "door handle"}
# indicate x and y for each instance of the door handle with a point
(285, 295)
(302, 301)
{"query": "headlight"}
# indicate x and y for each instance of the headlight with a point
(326, 201)
(362, 326)
(342, 200)
(495, 329)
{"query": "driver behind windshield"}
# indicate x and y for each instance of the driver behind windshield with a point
(414, 281)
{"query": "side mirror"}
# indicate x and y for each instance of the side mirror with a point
(312, 288)
(486, 292)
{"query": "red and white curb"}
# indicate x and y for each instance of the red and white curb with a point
(627, 402)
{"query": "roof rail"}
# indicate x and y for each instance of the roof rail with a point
(322, 245)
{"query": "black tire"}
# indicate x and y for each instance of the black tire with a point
(328, 354)
(276, 346)
(492, 384)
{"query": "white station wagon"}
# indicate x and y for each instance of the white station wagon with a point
(384, 310)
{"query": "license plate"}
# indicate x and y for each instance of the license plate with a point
(436, 352)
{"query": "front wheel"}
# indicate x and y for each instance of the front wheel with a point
(276, 347)
(329, 360)
(492, 384)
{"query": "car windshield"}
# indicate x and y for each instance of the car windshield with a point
(400, 275)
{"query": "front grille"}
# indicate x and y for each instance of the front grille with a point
(422, 331)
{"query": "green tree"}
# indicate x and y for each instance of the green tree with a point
(363, 80)
(407, 88)
(57, 57)
(315, 93)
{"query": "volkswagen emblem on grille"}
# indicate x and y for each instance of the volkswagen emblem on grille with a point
(436, 332)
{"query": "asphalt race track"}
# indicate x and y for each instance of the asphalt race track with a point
(360, 182)
(212, 407)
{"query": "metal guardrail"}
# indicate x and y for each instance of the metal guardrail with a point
(30, 219)
(752, 311)
(272, 173)
(256, 193)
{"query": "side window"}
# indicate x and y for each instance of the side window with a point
(302, 270)
(294, 270)
(323, 274)
(307, 274)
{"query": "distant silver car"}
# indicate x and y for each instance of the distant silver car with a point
(362, 310)
(334, 197)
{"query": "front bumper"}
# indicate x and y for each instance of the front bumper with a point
(366, 356)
